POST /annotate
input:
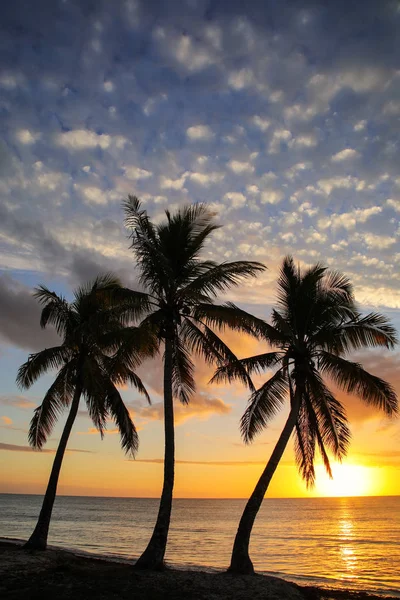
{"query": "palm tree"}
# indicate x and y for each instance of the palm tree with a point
(316, 325)
(97, 354)
(180, 288)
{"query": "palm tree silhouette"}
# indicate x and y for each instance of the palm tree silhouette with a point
(181, 288)
(316, 324)
(98, 352)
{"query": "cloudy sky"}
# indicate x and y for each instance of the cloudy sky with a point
(284, 117)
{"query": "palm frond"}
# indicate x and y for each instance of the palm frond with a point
(352, 378)
(264, 403)
(120, 415)
(304, 446)
(41, 362)
(95, 382)
(228, 315)
(222, 277)
(330, 416)
(204, 342)
(56, 399)
(254, 364)
(56, 310)
(183, 384)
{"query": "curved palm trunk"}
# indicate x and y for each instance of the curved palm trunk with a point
(38, 539)
(153, 556)
(240, 560)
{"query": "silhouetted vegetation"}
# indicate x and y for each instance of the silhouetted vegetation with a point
(316, 324)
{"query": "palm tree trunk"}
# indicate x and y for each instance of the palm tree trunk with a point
(153, 557)
(38, 539)
(240, 560)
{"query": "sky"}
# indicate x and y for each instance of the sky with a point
(284, 117)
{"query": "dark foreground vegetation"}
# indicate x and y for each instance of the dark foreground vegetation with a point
(62, 575)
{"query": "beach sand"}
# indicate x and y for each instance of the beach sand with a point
(62, 575)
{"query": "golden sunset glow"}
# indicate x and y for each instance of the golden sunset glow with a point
(348, 480)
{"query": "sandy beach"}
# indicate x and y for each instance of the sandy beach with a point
(65, 575)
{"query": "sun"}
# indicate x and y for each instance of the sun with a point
(348, 480)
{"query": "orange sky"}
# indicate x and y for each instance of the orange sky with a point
(212, 461)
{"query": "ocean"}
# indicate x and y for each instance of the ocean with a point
(351, 543)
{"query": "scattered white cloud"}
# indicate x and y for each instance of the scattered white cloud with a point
(345, 154)
(360, 125)
(241, 79)
(260, 123)
(173, 184)
(377, 241)
(92, 194)
(27, 137)
(349, 220)
(279, 136)
(200, 132)
(133, 172)
(79, 139)
(235, 199)
(108, 86)
(240, 167)
(393, 203)
(304, 141)
(331, 183)
(271, 196)
(206, 179)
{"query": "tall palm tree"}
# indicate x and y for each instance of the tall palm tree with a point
(181, 288)
(315, 326)
(97, 353)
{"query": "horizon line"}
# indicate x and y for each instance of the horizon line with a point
(202, 498)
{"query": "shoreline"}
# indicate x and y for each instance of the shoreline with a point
(69, 574)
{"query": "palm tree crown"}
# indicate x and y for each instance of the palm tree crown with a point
(97, 353)
(93, 354)
(178, 306)
(315, 326)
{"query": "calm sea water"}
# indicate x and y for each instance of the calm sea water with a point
(333, 542)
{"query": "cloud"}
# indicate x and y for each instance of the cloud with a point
(201, 406)
(20, 317)
(92, 194)
(235, 199)
(94, 431)
(395, 204)
(261, 123)
(345, 154)
(7, 420)
(199, 132)
(279, 136)
(239, 167)
(271, 196)
(16, 448)
(17, 401)
(303, 141)
(132, 172)
(206, 179)
(338, 182)
(82, 139)
(27, 137)
(349, 220)
(173, 184)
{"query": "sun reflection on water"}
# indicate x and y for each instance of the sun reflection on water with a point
(346, 535)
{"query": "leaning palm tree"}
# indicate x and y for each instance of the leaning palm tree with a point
(316, 324)
(98, 352)
(180, 289)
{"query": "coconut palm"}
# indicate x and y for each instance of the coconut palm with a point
(97, 353)
(181, 289)
(315, 326)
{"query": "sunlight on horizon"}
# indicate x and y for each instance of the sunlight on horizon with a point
(348, 480)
